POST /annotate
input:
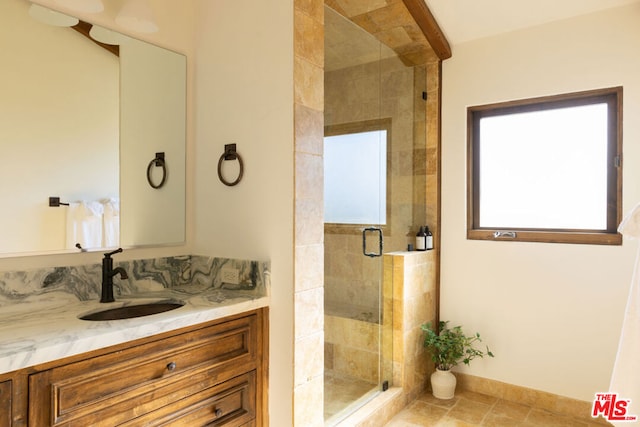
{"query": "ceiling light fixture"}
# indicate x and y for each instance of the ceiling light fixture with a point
(106, 36)
(51, 17)
(136, 15)
(84, 6)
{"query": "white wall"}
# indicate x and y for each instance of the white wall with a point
(244, 80)
(551, 312)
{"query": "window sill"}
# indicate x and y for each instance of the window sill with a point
(547, 236)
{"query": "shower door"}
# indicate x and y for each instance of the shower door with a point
(369, 202)
(355, 158)
(356, 165)
(375, 197)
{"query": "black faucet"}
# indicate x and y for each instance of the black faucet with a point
(107, 276)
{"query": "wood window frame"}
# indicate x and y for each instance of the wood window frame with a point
(613, 98)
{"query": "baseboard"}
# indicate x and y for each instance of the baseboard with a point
(527, 396)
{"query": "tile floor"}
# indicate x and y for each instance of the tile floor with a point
(469, 409)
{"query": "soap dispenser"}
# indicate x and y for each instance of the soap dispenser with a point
(428, 239)
(421, 240)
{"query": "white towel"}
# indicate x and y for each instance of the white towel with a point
(111, 221)
(630, 225)
(84, 225)
(625, 380)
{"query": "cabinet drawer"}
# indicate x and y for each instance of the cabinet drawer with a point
(141, 379)
(5, 404)
(230, 404)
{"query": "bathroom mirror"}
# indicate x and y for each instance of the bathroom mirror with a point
(82, 123)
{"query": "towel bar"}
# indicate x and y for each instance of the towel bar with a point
(55, 202)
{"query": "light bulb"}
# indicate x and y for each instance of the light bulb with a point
(51, 17)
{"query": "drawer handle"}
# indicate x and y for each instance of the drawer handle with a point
(171, 366)
(218, 413)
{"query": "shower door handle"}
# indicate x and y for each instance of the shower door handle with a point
(378, 231)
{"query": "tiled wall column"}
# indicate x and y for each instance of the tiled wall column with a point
(409, 291)
(309, 224)
(413, 278)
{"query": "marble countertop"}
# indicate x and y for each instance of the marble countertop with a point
(46, 327)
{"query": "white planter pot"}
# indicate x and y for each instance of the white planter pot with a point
(443, 384)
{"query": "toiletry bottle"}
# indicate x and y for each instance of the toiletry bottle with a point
(421, 240)
(428, 239)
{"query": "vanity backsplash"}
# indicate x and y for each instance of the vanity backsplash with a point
(251, 278)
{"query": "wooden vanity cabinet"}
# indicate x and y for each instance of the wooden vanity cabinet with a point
(212, 374)
(5, 403)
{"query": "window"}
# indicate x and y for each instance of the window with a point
(355, 173)
(546, 169)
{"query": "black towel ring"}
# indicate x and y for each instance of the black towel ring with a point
(230, 154)
(157, 161)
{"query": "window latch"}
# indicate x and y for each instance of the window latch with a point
(509, 234)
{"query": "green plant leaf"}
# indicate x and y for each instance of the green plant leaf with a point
(451, 346)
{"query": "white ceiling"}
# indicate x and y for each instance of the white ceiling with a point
(466, 20)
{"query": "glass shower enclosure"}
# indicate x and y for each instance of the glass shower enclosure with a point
(375, 192)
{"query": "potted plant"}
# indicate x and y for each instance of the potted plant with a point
(449, 347)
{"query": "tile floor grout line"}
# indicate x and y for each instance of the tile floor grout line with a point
(488, 412)
(528, 413)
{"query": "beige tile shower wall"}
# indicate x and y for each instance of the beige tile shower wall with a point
(413, 284)
(380, 90)
(384, 89)
(419, 211)
(352, 347)
(309, 266)
(350, 277)
(432, 155)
